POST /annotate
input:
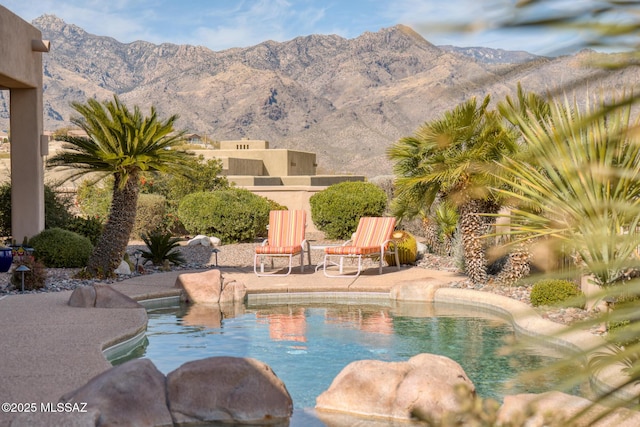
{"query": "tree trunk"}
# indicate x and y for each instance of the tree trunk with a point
(516, 267)
(430, 230)
(112, 244)
(473, 227)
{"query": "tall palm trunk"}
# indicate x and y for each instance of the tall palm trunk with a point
(473, 226)
(516, 267)
(430, 230)
(113, 241)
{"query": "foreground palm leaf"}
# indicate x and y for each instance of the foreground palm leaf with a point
(120, 143)
(580, 184)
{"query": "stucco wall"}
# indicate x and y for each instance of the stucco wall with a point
(19, 63)
(292, 197)
(21, 48)
(276, 162)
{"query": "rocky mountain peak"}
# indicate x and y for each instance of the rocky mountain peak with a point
(347, 100)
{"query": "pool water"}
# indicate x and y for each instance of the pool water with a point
(308, 345)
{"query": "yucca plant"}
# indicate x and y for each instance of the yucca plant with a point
(579, 184)
(162, 248)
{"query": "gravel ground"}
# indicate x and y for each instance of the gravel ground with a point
(198, 256)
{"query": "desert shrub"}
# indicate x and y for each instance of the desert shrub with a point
(59, 248)
(407, 248)
(337, 209)
(150, 214)
(206, 175)
(623, 332)
(161, 247)
(87, 227)
(94, 200)
(5, 210)
(57, 209)
(34, 279)
(554, 292)
(232, 215)
(275, 206)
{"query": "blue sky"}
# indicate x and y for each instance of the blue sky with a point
(223, 24)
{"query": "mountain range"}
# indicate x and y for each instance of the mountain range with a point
(347, 100)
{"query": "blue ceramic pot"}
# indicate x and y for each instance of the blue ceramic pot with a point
(6, 258)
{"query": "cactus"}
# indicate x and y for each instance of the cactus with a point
(407, 248)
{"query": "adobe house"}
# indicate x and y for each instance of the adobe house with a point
(21, 48)
(285, 176)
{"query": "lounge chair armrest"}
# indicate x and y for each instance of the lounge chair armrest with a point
(347, 243)
(264, 242)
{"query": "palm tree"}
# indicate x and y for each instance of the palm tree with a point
(122, 144)
(452, 158)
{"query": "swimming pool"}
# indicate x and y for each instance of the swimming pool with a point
(308, 344)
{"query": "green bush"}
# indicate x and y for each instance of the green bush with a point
(5, 210)
(34, 279)
(94, 200)
(624, 332)
(150, 214)
(87, 227)
(60, 248)
(554, 292)
(57, 209)
(338, 209)
(232, 215)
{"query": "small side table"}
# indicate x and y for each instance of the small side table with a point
(321, 247)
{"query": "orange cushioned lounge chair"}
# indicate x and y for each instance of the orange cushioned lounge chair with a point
(285, 239)
(371, 239)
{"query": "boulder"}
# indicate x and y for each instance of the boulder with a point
(201, 287)
(232, 291)
(107, 297)
(423, 387)
(133, 393)
(214, 241)
(84, 296)
(200, 239)
(123, 269)
(531, 410)
(101, 296)
(422, 248)
(209, 287)
(227, 390)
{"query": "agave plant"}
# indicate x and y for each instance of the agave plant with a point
(162, 248)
